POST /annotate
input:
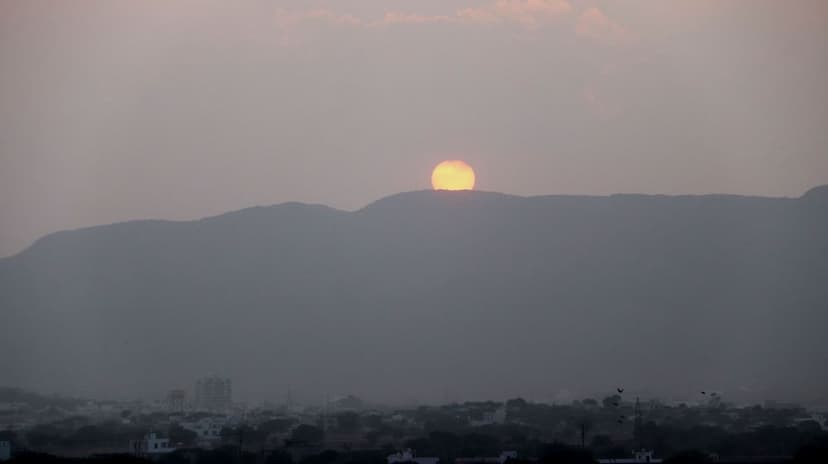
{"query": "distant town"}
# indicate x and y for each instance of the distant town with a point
(205, 424)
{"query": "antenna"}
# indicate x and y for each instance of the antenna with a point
(325, 414)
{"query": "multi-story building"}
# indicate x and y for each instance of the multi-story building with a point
(213, 394)
(175, 401)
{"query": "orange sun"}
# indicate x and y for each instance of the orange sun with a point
(452, 175)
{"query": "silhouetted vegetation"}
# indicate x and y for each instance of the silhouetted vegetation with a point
(548, 433)
(562, 454)
(307, 434)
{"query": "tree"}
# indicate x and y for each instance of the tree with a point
(276, 426)
(688, 457)
(516, 403)
(180, 435)
(279, 457)
(811, 454)
(347, 421)
(611, 401)
(43, 435)
(562, 454)
(809, 427)
(307, 434)
(176, 457)
(603, 447)
(8, 435)
(222, 455)
(420, 445)
(590, 402)
(444, 443)
(373, 420)
(477, 444)
(325, 457)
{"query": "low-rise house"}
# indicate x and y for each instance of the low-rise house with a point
(151, 445)
(639, 457)
(408, 456)
(504, 456)
(207, 429)
(5, 450)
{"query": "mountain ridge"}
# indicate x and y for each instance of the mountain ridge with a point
(815, 192)
(482, 293)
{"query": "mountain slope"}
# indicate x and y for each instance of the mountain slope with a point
(423, 293)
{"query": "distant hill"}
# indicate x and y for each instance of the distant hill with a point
(426, 294)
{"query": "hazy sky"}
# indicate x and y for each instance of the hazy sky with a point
(113, 110)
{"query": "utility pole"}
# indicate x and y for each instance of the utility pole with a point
(639, 425)
(241, 443)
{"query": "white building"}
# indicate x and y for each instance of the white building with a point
(408, 456)
(501, 459)
(207, 429)
(639, 457)
(496, 417)
(151, 445)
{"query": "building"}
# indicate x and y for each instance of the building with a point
(175, 401)
(151, 445)
(5, 450)
(213, 394)
(496, 417)
(207, 429)
(639, 457)
(408, 456)
(504, 456)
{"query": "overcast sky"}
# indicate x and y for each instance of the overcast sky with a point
(113, 110)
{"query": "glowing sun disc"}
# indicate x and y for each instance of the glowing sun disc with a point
(453, 175)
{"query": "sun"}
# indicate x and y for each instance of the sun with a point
(453, 175)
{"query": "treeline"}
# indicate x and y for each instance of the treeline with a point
(816, 453)
(36, 400)
(487, 441)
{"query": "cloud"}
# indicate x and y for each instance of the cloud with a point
(392, 18)
(527, 13)
(289, 18)
(290, 23)
(331, 17)
(478, 16)
(595, 25)
(531, 13)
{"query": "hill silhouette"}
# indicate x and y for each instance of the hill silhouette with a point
(473, 293)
